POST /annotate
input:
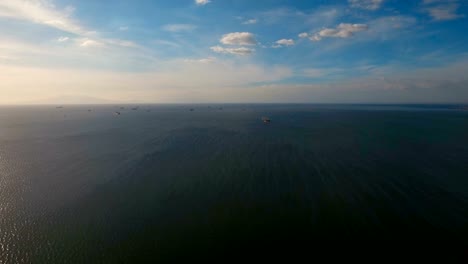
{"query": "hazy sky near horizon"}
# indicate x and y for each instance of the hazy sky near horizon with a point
(183, 51)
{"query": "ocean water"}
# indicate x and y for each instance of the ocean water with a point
(81, 184)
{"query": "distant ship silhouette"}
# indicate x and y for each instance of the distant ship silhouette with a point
(266, 120)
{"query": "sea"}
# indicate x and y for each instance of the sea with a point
(211, 182)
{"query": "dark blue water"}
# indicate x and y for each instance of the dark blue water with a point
(163, 183)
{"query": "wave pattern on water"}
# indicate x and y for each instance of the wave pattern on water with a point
(170, 183)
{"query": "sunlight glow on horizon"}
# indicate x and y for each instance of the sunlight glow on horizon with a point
(58, 51)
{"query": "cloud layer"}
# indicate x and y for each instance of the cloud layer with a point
(284, 43)
(360, 48)
(243, 51)
(239, 38)
(202, 2)
(442, 10)
(343, 30)
(41, 12)
(366, 4)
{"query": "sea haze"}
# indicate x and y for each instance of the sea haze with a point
(85, 184)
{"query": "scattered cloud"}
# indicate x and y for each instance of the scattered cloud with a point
(366, 4)
(284, 42)
(442, 10)
(63, 39)
(41, 12)
(239, 38)
(202, 2)
(203, 60)
(178, 27)
(381, 29)
(236, 39)
(89, 43)
(114, 59)
(243, 51)
(250, 22)
(343, 30)
(46, 13)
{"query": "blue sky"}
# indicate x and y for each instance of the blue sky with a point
(161, 51)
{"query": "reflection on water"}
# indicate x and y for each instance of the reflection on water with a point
(91, 186)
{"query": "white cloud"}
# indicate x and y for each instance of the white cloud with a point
(123, 28)
(381, 29)
(250, 22)
(207, 60)
(46, 13)
(343, 30)
(366, 4)
(179, 27)
(284, 42)
(442, 10)
(202, 2)
(239, 38)
(41, 12)
(89, 43)
(78, 52)
(243, 51)
(315, 37)
(304, 35)
(63, 39)
(203, 60)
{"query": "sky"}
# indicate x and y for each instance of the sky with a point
(233, 51)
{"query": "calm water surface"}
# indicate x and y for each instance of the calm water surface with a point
(163, 183)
